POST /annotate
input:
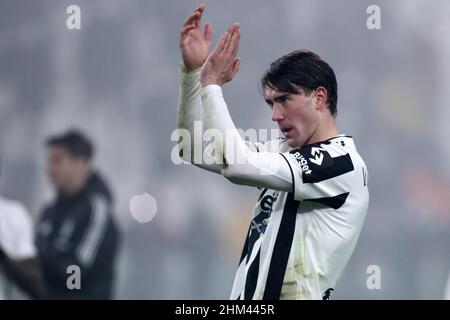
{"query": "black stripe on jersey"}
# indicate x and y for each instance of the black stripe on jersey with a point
(252, 238)
(330, 167)
(333, 202)
(292, 173)
(263, 192)
(247, 239)
(245, 249)
(252, 278)
(281, 250)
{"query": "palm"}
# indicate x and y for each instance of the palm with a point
(194, 49)
(194, 44)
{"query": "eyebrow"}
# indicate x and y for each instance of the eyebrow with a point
(278, 98)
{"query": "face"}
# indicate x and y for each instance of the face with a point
(63, 169)
(297, 115)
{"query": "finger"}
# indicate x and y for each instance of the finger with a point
(236, 44)
(228, 41)
(231, 30)
(221, 44)
(235, 67)
(187, 28)
(200, 10)
(200, 7)
(207, 34)
(233, 46)
(193, 17)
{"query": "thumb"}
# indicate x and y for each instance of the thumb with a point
(235, 67)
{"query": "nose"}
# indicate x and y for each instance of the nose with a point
(277, 113)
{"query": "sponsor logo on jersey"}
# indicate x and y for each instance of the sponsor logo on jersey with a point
(303, 162)
(261, 221)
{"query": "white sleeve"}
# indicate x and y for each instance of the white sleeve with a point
(16, 233)
(243, 165)
(190, 117)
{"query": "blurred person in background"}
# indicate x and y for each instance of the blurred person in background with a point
(77, 228)
(19, 265)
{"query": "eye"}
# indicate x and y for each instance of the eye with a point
(283, 99)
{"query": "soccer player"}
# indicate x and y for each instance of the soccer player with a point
(313, 183)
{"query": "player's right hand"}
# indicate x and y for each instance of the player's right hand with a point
(195, 44)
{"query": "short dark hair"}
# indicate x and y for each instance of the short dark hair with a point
(73, 142)
(304, 69)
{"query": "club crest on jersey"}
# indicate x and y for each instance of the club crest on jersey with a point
(303, 162)
(317, 156)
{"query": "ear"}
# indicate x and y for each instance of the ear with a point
(321, 95)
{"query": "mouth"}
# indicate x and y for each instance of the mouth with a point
(286, 131)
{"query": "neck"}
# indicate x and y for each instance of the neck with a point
(327, 129)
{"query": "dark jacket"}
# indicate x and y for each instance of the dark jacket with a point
(79, 230)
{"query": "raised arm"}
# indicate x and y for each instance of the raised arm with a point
(243, 165)
(194, 46)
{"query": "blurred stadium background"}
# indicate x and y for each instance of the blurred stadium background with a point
(117, 80)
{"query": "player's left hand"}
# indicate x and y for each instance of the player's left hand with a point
(222, 65)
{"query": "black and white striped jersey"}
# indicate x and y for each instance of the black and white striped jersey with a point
(299, 241)
(312, 203)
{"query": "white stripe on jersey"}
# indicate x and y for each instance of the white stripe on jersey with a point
(88, 248)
